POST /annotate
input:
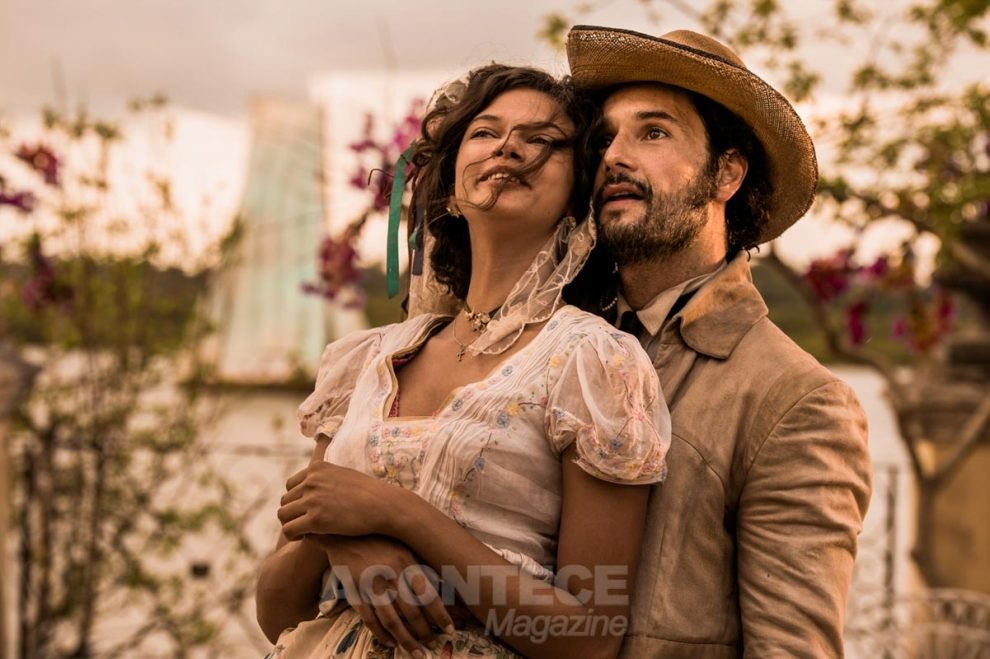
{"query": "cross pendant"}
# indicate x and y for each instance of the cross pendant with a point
(460, 353)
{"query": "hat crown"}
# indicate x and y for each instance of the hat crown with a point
(704, 44)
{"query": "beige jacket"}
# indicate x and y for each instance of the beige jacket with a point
(750, 542)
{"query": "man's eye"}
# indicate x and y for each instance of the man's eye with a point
(655, 133)
(603, 142)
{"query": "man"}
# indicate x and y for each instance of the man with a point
(750, 542)
(751, 539)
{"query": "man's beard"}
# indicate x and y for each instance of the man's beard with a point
(669, 223)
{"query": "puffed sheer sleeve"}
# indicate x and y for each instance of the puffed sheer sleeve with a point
(607, 400)
(343, 360)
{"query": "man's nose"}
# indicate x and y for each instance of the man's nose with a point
(616, 155)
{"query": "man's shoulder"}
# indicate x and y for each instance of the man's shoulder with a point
(774, 360)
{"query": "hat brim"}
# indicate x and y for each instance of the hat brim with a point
(606, 57)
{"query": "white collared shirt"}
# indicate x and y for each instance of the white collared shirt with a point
(654, 313)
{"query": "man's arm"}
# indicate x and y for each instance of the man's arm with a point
(800, 512)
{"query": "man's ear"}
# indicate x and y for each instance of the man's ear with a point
(732, 168)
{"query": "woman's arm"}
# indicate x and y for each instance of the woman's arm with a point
(291, 579)
(600, 533)
(289, 585)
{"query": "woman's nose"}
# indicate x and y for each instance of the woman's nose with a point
(510, 149)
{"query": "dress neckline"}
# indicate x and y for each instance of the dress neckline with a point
(421, 337)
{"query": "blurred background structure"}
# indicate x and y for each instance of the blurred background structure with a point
(171, 269)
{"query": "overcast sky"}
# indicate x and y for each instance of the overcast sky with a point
(214, 55)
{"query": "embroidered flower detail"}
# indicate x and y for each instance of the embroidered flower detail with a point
(512, 409)
(507, 371)
(618, 360)
(373, 441)
(553, 325)
(389, 459)
(615, 444)
(555, 361)
(457, 404)
(479, 463)
(502, 420)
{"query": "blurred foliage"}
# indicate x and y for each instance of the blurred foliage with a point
(111, 485)
(379, 308)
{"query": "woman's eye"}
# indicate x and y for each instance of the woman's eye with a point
(482, 132)
(542, 140)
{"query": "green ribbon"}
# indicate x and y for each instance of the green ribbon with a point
(394, 216)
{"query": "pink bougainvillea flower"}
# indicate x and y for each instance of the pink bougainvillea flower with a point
(928, 320)
(337, 267)
(42, 160)
(830, 277)
(373, 174)
(855, 323)
(43, 288)
(359, 179)
(878, 269)
(25, 202)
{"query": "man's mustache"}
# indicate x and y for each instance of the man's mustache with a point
(643, 188)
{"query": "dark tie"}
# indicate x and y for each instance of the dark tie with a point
(630, 323)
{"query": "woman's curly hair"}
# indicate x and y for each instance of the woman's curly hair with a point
(435, 154)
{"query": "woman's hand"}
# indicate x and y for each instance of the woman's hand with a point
(327, 499)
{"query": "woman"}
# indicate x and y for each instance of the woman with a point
(511, 441)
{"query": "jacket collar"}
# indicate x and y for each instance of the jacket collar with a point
(722, 311)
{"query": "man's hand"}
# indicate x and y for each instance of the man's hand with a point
(385, 584)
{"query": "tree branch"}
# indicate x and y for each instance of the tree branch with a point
(972, 432)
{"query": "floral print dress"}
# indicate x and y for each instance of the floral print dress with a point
(490, 457)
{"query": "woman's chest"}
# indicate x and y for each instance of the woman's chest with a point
(502, 414)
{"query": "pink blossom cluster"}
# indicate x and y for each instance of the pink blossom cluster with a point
(840, 281)
(43, 288)
(376, 158)
(338, 266)
(375, 168)
(41, 160)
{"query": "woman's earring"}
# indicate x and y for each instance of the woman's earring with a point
(453, 210)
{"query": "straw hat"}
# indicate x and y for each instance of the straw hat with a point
(602, 57)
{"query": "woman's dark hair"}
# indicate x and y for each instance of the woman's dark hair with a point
(748, 211)
(436, 153)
